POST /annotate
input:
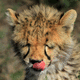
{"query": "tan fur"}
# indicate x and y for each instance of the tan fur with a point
(41, 26)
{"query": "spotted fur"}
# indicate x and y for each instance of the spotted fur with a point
(42, 33)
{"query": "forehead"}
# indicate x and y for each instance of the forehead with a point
(37, 28)
(39, 31)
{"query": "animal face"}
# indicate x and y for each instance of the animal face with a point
(42, 35)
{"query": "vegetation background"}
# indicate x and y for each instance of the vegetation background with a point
(11, 67)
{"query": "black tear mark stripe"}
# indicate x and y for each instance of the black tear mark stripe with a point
(26, 53)
(47, 55)
(29, 51)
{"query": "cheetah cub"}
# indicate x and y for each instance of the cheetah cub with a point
(42, 38)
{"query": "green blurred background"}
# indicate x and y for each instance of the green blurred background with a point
(11, 67)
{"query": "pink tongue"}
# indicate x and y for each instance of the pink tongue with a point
(40, 65)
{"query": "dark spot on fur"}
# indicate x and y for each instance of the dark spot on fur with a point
(71, 59)
(47, 33)
(63, 70)
(40, 14)
(40, 26)
(35, 22)
(33, 31)
(38, 18)
(30, 24)
(60, 48)
(46, 24)
(50, 23)
(46, 40)
(54, 14)
(48, 20)
(50, 26)
(17, 22)
(54, 22)
(27, 39)
(22, 21)
(28, 32)
(17, 14)
(56, 71)
(26, 19)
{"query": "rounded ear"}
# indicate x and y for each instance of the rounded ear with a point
(13, 15)
(69, 18)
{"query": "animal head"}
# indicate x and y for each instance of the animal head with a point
(41, 34)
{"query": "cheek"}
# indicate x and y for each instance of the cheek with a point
(52, 52)
(24, 51)
(46, 61)
(26, 60)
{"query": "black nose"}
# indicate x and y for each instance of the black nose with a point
(34, 61)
